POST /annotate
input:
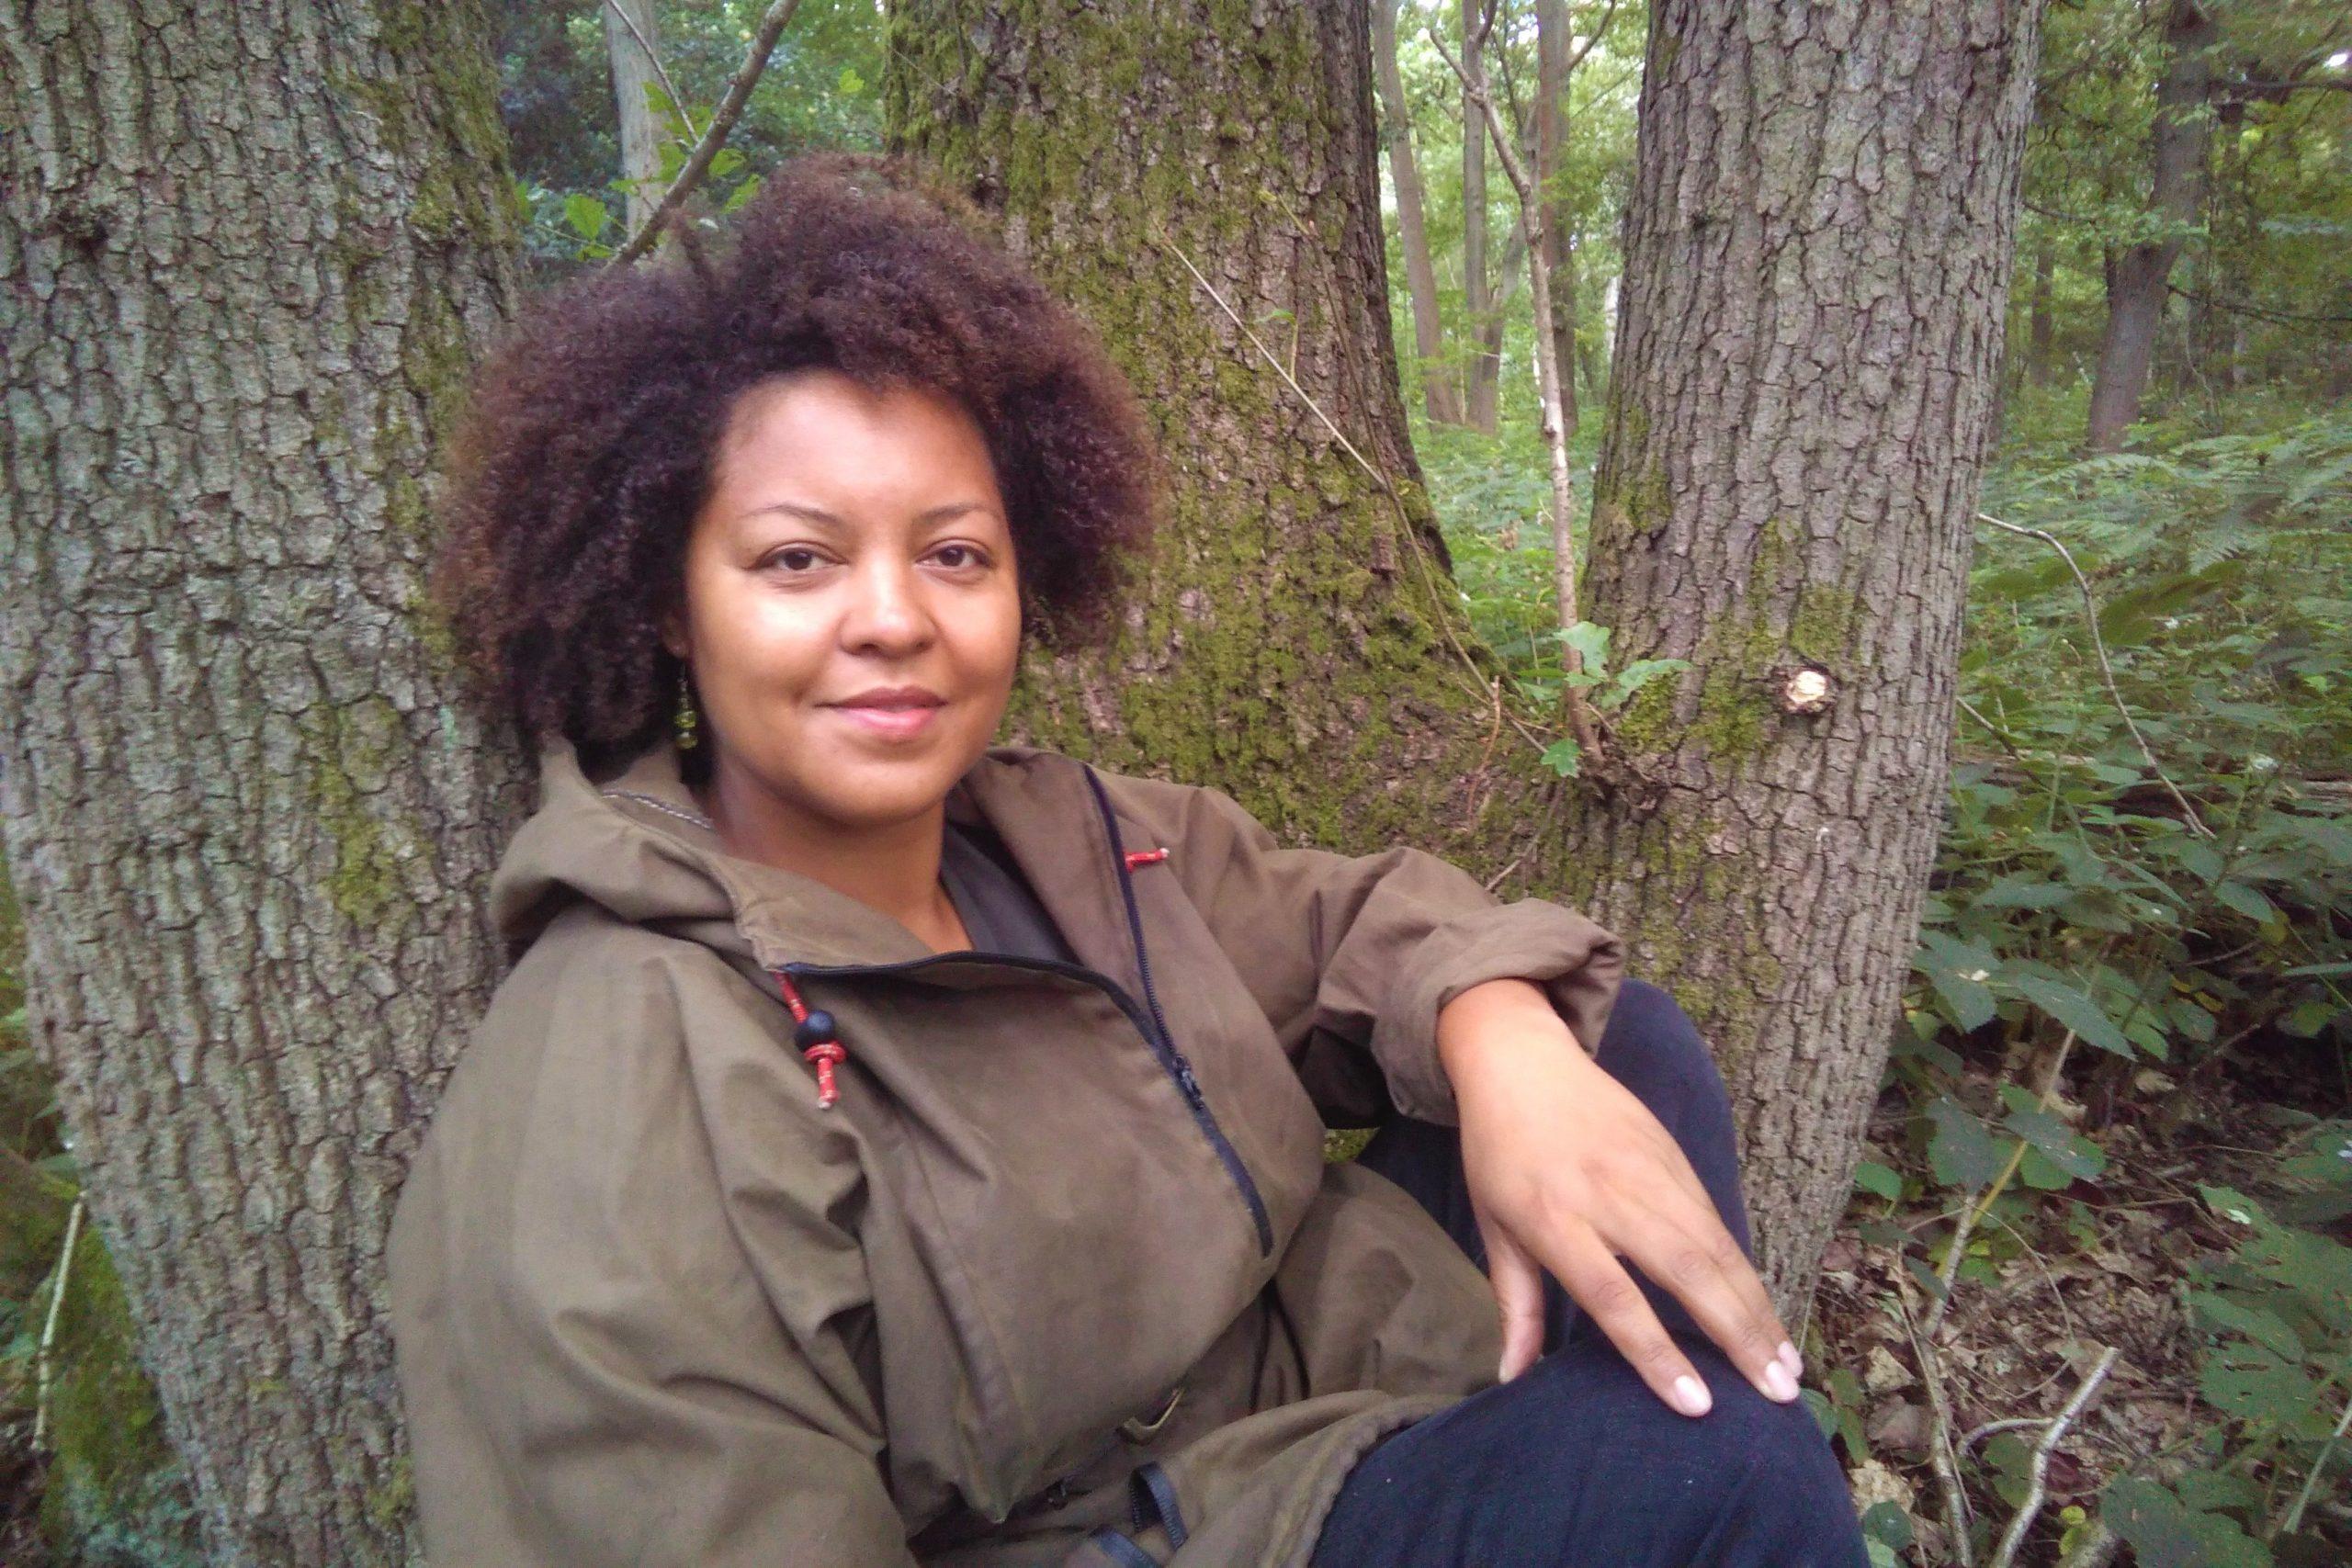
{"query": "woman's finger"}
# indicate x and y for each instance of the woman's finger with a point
(1599, 1285)
(1686, 1250)
(1517, 1283)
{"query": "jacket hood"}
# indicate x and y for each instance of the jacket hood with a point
(637, 845)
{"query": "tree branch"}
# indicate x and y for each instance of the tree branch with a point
(730, 109)
(2038, 1491)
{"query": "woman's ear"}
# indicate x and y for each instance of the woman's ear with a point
(673, 635)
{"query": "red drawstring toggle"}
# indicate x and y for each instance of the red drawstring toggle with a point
(825, 1055)
(820, 1041)
(1144, 857)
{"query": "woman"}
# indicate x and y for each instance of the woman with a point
(890, 1147)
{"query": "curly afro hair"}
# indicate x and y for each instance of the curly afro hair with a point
(588, 447)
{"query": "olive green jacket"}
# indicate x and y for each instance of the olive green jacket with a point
(652, 1305)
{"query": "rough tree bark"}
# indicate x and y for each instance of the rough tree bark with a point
(1294, 636)
(2138, 282)
(1818, 258)
(248, 253)
(1481, 369)
(1439, 399)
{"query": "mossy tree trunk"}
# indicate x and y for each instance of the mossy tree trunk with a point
(1296, 635)
(1817, 256)
(248, 251)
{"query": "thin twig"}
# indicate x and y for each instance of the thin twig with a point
(2037, 1487)
(1977, 1434)
(1976, 1210)
(1940, 1448)
(2106, 668)
(714, 137)
(49, 1328)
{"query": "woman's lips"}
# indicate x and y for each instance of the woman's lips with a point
(891, 722)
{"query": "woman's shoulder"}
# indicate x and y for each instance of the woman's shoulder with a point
(605, 1028)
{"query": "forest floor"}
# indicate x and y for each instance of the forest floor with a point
(2104, 1266)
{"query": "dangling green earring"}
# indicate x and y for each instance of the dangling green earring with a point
(687, 720)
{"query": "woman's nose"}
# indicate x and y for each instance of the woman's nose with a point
(886, 614)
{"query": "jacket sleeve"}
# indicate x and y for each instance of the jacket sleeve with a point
(1357, 954)
(640, 1336)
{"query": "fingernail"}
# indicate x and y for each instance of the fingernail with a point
(1778, 1384)
(1791, 1359)
(1691, 1396)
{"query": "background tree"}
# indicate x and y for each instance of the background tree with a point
(1439, 397)
(1483, 369)
(632, 42)
(248, 819)
(1796, 435)
(2139, 276)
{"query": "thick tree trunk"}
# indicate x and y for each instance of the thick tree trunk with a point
(1294, 636)
(1482, 372)
(1817, 259)
(2138, 284)
(1554, 51)
(250, 250)
(631, 38)
(1439, 399)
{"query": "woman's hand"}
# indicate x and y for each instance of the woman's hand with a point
(1568, 1171)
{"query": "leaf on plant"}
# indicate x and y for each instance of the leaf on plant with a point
(1961, 1151)
(2249, 901)
(2264, 1328)
(2165, 1533)
(1886, 1522)
(1878, 1181)
(2076, 1011)
(586, 215)
(2022, 893)
(1561, 757)
(2048, 1136)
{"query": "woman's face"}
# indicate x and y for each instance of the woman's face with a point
(852, 616)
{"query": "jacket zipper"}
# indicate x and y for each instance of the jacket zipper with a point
(1170, 1056)
(1179, 1070)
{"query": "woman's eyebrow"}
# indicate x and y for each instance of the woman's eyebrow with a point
(818, 514)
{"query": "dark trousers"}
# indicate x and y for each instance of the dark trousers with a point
(1576, 1461)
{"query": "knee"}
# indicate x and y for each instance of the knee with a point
(1781, 1498)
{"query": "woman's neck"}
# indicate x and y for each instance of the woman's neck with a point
(891, 867)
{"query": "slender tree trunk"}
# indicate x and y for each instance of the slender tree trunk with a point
(250, 250)
(1789, 470)
(1295, 635)
(1483, 373)
(1439, 399)
(2040, 326)
(631, 38)
(1552, 53)
(2138, 285)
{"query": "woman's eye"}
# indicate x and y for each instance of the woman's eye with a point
(794, 559)
(967, 554)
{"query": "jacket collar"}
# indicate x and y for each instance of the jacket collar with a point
(638, 845)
